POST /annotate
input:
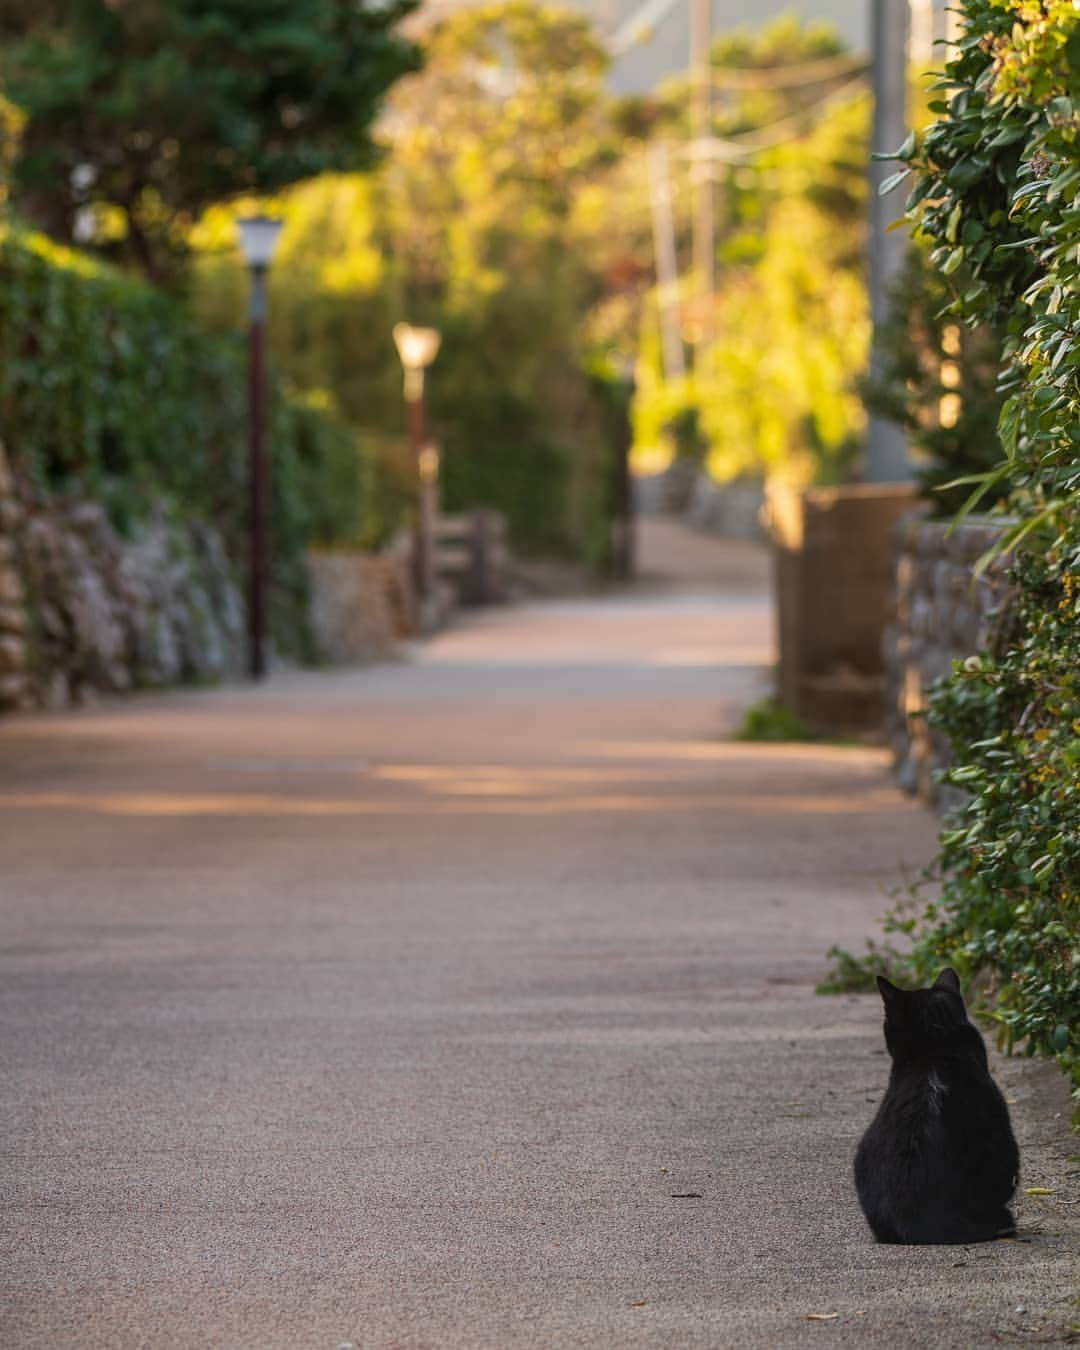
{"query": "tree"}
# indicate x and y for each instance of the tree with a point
(775, 392)
(467, 224)
(146, 111)
(938, 380)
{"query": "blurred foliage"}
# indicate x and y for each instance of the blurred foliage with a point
(143, 114)
(997, 193)
(775, 393)
(466, 225)
(937, 378)
(12, 121)
(107, 389)
(769, 720)
(511, 210)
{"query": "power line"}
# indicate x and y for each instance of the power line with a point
(733, 149)
(753, 78)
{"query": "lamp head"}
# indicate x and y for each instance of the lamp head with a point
(258, 239)
(417, 347)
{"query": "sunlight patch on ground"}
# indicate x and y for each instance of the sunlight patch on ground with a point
(736, 750)
(452, 799)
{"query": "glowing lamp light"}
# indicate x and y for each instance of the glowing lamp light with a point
(417, 347)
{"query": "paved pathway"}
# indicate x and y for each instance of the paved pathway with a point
(463, 1002)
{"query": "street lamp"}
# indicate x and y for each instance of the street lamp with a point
(417, 348)
(258, 240)
(623, 530)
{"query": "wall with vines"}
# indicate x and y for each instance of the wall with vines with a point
(997, 194)
(109, 391)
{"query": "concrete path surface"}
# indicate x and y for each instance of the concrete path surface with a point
(468, 1002)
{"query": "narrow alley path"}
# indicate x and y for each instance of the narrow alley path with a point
(465, 1001)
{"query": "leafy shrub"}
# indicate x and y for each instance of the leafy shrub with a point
(108, 389)
(937, 378)
(769, 720)
(997, 195)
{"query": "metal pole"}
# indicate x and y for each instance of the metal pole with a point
(886, 448)
(623, 550)
(667, 267)
(258, 473)
(414, 399)
(701, 130)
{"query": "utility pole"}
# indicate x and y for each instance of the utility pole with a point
(886, 448)
(701, 131)
(667, 268)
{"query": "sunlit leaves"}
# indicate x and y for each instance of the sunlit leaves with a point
(998, 186)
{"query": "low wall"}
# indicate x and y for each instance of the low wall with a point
(941, 613)
(833, 577)
(361, 604)
(732, 510)
(84, 609)
(14, 654)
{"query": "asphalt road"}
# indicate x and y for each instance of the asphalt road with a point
(468, 1002)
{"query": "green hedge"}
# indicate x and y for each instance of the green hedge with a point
(998, 195)
(107, 388)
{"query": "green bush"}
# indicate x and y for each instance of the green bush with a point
(997, 195)
(937, 378)
(769, 720)
(108, 389)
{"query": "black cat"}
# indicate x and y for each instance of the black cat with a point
(939, 1162)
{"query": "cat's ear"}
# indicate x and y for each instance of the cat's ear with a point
(889, 993)
(948, 979)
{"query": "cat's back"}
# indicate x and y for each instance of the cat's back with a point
(975, 1126)
(939, 1160)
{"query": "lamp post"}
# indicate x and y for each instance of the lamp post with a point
(417, 348)
(623, 551)
(258, 240)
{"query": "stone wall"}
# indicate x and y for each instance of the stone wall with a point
(732, 510)
(14, 677)
(833, 571)
(107, 613)
(941, 613)
(361, 603)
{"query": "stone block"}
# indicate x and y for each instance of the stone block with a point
(12, 652)
(13, 619)
(14, 690)
(11, 587)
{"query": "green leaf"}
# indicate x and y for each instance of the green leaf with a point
(953, 262)
(894, 180)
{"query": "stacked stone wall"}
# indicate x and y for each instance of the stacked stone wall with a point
(85, 610)
(361, 604)
(941, 613)
(14, 681)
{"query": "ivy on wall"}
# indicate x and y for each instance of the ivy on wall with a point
(997, 193)
(108, 389)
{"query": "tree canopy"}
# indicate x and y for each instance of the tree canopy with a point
(139, 113)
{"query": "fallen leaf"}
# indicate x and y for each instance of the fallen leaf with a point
(821, 1317)
(1038, 1190)
(686, 1195)
(641, 1303)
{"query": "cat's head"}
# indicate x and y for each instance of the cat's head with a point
(917, 1020)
